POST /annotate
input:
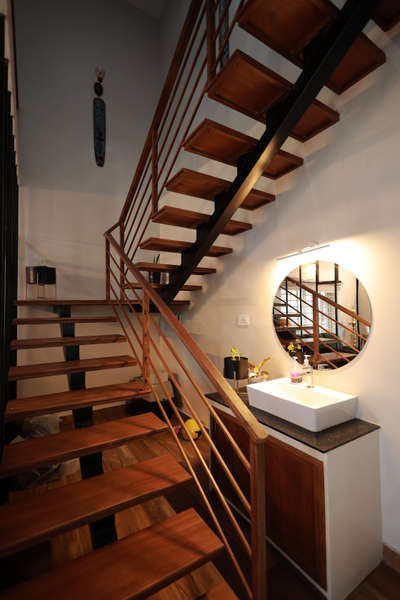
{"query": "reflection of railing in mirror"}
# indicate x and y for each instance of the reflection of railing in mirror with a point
(324, 342)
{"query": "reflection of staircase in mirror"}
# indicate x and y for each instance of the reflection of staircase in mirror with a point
(306, 316)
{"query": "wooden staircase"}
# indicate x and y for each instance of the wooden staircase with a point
(300, 32)
(135, 566)
(332, 50)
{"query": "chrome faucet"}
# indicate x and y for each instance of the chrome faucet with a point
(308, 372)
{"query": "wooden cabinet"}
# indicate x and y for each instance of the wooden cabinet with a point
(295, 496)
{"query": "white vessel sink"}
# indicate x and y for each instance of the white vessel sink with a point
(314, 408)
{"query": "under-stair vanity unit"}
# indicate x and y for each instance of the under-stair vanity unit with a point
(323, 508)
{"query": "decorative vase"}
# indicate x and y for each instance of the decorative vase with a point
(236, 369)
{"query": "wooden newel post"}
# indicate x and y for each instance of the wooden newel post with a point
(315, 329)
(211, 54)
(154, 171)
(107, 270)
(146, 336)
(258, 520)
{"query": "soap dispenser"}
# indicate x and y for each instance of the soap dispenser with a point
(296, 374)
(308, 372)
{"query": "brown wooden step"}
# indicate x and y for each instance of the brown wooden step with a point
(201, 185)
(53, 449)
(165, 245)
(38, 518)
(188, 287)
(61, 320)
(164, 268)
(72, 366)
(387, 14)
(219, 592)
(179, 217)
(288, 27)
(246, 85)
(70, 302)
(83, 340)
(23, 408)
(131, 569)
(226, 145)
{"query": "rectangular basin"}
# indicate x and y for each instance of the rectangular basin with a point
(314, 408)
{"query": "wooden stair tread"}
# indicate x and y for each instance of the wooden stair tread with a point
(132, 568)
(70, 302)
(165, 268)
(334, 357)
(288, 27)
(72, 366)
(220, 591)
(218, 142)
(49, 403)
(188, 287)
(249, 87)
(179, 217)
(208, 187)
(61, 320)
(38, 518)
(59, 447)
(166, 245)
(387, 14)
(82, 340)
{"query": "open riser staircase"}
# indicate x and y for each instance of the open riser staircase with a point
(140, 296)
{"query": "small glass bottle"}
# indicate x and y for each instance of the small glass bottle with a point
(296, 374)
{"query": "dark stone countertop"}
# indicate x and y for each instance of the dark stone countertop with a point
(323, 441)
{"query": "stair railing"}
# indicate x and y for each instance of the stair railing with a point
(313, 328)
(198, 55)
(155, 352)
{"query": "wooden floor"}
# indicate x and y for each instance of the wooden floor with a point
(284, 581)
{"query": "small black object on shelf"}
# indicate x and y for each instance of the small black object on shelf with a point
(40, 276)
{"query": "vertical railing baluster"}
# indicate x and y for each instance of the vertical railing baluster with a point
(315, 329)
(122, 264)
(154, 170)
(258, 520)
(211, 53)
(107, 270)
(146, 336)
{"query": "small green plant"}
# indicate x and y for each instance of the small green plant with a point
(257, 370)
(235, 354)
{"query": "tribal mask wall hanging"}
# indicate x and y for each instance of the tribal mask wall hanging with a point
(99, 120)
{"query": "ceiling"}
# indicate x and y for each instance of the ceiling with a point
(153, 8)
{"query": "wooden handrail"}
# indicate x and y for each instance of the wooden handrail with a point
(247, 419)
(187, 28)
(340, 307)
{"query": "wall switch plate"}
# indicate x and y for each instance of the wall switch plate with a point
(243, 320)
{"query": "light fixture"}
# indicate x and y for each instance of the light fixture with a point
(310, 247)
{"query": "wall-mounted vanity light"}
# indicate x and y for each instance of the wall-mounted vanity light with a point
(310, 247)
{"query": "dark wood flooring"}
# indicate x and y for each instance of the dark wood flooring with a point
(285, 583)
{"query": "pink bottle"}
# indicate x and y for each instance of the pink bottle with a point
(296, 373)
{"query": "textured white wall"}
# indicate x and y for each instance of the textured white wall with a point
(67, 202)
(346, 193)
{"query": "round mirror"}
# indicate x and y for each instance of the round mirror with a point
(322, 310)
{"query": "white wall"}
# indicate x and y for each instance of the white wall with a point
(67, 202)
(347, 193)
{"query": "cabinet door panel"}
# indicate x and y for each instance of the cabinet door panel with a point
(296, 506)
(295, 495)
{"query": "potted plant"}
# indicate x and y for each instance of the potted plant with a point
(155, 276)
(236, 366)
(256, 372)
(295, 349)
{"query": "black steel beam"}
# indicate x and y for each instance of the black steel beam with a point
(321, 59)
